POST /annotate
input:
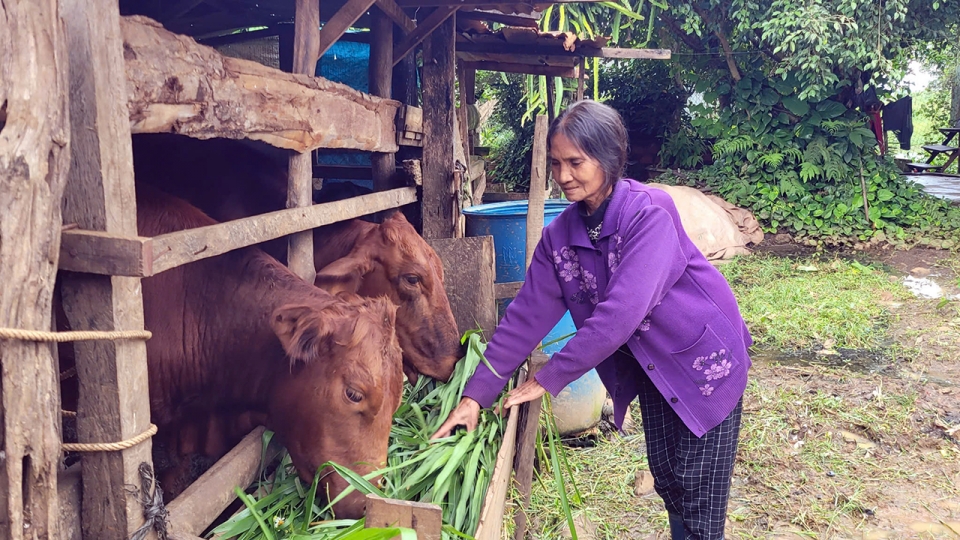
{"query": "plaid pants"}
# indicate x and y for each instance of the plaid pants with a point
(692, 474)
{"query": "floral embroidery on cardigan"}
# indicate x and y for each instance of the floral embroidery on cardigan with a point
(613, 257)
(568, 267)
(715, 367)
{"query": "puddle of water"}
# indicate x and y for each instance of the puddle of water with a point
(858, 360)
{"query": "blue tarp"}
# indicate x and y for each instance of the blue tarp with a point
(345, 62)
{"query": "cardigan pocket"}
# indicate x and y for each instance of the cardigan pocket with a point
(708, 362)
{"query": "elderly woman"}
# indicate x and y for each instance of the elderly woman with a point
(655, 319)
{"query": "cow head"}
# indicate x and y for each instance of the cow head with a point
(392, 260)
(336, 402)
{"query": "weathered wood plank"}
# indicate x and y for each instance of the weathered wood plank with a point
(176, 85)
(174, 249)
(526, 21)
(34, 157)
(68, 491)
(114, 403)
(469, 269)
(425, 519)
(396, 14)
(196, 508)
(503, 291)
(527, 428)
(440, 200)
(306, 40)
(424, 28)
(605, 52)
(383, 164)
(527, 69)
(491, 517)
(98, 252)
(538, 185)
(430, 3)
(341, 21)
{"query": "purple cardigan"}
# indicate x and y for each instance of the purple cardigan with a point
(645, 285)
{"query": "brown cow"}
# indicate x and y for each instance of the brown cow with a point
(241, 339)
(233, 179)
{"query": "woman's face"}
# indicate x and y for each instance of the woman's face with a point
(578, 175)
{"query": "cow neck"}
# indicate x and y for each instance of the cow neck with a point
(338, 240)
(258, 286)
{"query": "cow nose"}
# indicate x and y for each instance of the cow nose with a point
(350, 507)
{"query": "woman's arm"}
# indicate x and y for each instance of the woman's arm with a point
(536, 309)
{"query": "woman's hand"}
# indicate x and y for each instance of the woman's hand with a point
(467, 414)
(528, 391)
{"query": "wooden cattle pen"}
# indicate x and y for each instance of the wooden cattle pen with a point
(77, 79)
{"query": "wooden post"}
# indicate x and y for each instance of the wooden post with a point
(34, 157)
(468, 88)
(440, 201)
(306, 45)
(582, 73)
(114, 396)
(530, 412)
(526, 439)
(384, 165)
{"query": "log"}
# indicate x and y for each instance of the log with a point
(34, 158)
(176, 85)
(440, 200)
(114, 397)
(396, 14)
(98, 252)
(170, 250)
(599, 52)
(208, 496)
(306, 41)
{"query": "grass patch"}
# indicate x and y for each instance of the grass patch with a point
(798, 304)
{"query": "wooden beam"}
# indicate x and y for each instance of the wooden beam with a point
(424, 28)
(34, 158)
(383, 164)
(396, 14)
(459, 3)
(196, 508)
(491, 517)
(538, 185)
(114, 396)
(99, 252)
(502, 18)
(341, 21)
(179, 86)
(306, 41)
(182, 247)
(604, 52)
(469, 270)
(526, 448)
(532, 59)
(528, 69)
(503, 291)
(425, 519)
(440, 200)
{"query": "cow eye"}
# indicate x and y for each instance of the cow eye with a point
(412, 279)
(353, 395)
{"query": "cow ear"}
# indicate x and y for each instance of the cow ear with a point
(344, 275)
(302, 331)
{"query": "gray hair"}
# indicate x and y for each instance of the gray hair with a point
(597, 130)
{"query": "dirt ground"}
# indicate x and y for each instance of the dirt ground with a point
(833, 447)
(908, 475)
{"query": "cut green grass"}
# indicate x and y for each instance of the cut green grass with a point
(809, 303)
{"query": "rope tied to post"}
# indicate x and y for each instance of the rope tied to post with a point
(111, 447)
(150, 497)
(45, 336)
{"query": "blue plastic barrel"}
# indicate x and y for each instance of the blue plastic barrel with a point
(579, 406)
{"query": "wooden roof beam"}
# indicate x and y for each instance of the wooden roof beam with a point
(502, 18)
(528, 50)
(341, 21)
(526, 69)
(424, 28)
(466, 3)
(395, 13)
